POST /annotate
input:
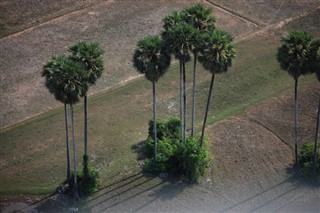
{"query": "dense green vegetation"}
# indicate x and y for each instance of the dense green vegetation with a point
(188, 160)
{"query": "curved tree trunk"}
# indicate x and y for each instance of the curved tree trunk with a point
(194, 94)
(67, 144)
(154, 120)
(207, 109)
(316, 143)
(296, 123)
(75, 186)
(184, 104)
(181, 110)
(85, 125)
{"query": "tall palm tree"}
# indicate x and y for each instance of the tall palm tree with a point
(314, 64)
(200, 18)
(50, 70)
(180, 40)
(293, 56)
(169, 23)
(90, 55)
(216, 57)
(67, 84)
(152, 60)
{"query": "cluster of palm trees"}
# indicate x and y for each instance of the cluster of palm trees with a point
(299, 54)
(191, 31)
(68, 79)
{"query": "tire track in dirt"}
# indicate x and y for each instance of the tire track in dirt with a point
(233, 13)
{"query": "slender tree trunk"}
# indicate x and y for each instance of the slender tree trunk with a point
(67, 144)
(194, 94)
(184, 104)
(207, 109)
(154, 120)
(75, 186)
(296, 122)
(181, 110)
(85, 125)
(316, 143)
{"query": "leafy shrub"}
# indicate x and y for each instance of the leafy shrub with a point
(172, 155)
(90, 180)
(196, 158)
(306, 155)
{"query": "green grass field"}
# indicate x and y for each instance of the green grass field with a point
(33, 152)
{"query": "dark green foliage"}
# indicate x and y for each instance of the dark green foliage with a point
(294, 52)
(173, 156)
(151, 58)
(196, 158)
(89, 181)
(179, 41)
(90, 55)
(217, 52)
(65, 79)
(165, 129)
(306, 159)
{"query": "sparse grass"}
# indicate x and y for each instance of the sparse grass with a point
(33, 152)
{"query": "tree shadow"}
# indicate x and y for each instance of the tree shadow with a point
(139, 149)
(293, 182)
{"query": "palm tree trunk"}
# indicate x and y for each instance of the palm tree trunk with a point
(67, 144)
(207, 109)
(154, 120)
(181, 110)
(194, 93)
(75, 187)
(296, 122)
(184, 104)
(85, 125)
(316, 143)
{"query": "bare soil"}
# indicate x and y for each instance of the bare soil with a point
(116, 25)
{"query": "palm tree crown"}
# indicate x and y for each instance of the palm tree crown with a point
(218, 51)
(90, 54)
(150, 58)
(180, 40)
(65, 79)
(294, 52)
(199, 17)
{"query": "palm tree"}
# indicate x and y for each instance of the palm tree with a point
(216, 56)
(151, 59)
(315, 67)
(199, 17)
(169, 23)
(90, 54)
(180, 40)
(293, 58)
(66, 82)
(50, 70)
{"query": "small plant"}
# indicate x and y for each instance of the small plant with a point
(174, 157)
(306, 159)
(90, 180)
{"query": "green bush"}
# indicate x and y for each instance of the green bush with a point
(196, 158)
(306, 159)
(90, 180)
(172, 155)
